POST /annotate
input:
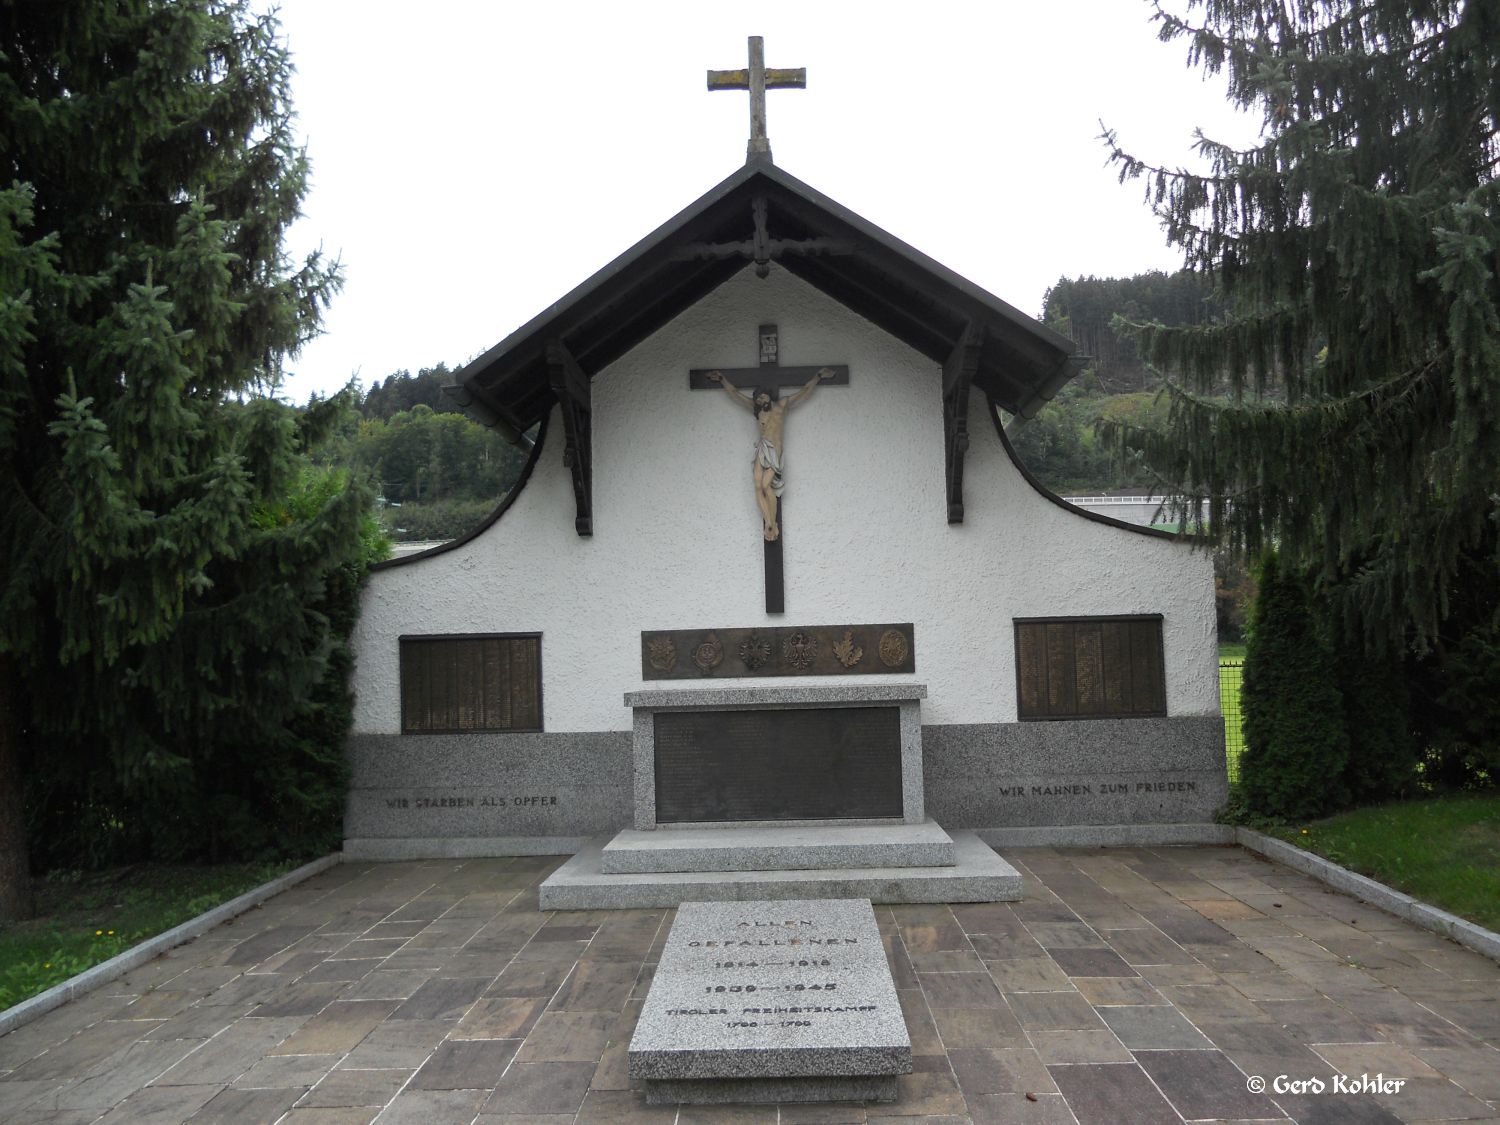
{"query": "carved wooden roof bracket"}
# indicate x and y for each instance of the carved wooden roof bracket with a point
(761, 247)
(575, 394)
(958, 376)
(762, 237)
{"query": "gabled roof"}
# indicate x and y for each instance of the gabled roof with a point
(761, 214)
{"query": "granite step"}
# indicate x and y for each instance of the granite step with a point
(976, 875)
(777, 848)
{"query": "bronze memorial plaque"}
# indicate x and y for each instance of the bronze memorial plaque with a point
(1090, 667)
(783, 650)
(829, 763)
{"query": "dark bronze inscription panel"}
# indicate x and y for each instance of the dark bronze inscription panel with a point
(785, 650)
(799, 764)
(452, 684)
(1090, 667)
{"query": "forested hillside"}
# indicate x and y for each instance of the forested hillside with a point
(1059, 445)
(438, 473)
(1085, 309)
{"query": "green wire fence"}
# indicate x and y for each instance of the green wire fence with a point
(1230, 672)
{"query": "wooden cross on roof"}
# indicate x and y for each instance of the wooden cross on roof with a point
(758, 80)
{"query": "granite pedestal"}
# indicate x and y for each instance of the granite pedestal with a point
(763, 1002)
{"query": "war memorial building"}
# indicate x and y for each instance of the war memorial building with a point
(774, 569)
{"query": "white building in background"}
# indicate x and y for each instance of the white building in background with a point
(1143, 511)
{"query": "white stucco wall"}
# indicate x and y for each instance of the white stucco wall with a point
(676, 540)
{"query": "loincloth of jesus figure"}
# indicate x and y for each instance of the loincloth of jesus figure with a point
(767, 456)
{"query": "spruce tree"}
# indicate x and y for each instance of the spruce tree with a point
(163, 545)
(1354, 250)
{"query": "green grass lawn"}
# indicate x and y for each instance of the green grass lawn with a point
(85, 918)
(1442, 850)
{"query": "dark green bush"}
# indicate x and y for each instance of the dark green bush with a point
(1383, 756)
(1466, 750)
(1296, 747)
(260, 779)
(444, 519)
(1455, 683)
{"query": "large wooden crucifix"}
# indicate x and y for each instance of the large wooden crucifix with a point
(761, 396)
(758, 80)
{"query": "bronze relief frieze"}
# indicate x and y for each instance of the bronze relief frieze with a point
(661, 655)
(847, 651)
(791, 650)
(708, 654)
(754, 652)
(894, 648)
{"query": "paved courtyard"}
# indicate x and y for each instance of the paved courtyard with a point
(1131, 985)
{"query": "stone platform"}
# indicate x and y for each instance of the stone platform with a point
(977, 874)
(1141, 984)
(763, 848)
(762, 1002)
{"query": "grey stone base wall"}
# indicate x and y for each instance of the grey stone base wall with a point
(1108, 781)
(511, 790)
(460, 847)
(1088, 772)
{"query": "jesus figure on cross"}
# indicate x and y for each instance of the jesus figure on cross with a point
(770, 415)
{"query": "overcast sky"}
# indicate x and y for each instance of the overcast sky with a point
(474, 161)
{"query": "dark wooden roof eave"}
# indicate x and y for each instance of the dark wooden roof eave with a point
(882, 279)
(531, 338)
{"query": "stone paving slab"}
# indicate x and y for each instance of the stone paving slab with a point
(1151, 984)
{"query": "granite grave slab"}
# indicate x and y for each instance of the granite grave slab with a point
(754, 1002)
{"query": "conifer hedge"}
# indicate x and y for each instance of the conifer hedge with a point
(1296, 747)
(1383, 760)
